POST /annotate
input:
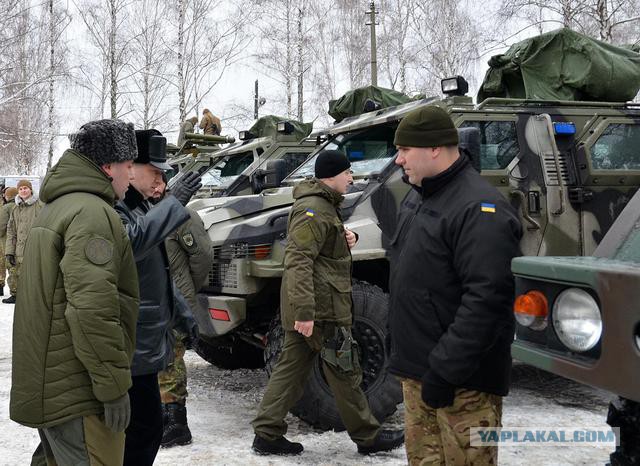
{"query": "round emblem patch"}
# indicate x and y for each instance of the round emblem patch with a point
(188, 239)
(99, 251)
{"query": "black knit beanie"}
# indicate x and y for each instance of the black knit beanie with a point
(331, 163)
(428, 126)
(105, 141)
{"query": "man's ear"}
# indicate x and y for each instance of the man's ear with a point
(108, 170)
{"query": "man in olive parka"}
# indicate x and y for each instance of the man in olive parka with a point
(316, 315)
(75, 319)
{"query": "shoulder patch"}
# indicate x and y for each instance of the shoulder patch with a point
(487, 207)
(303, 235)
(98, 250)
(310, 213)
(187, 238)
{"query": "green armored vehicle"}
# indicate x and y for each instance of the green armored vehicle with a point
(241, 168)
(196, 151)
(578, 317)
(569, 168)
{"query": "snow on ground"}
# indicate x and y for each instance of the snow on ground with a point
(222, 403)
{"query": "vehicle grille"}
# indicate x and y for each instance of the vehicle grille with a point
(223, 275)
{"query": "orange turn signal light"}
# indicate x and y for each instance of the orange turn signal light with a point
(262, 252)
(533, 303)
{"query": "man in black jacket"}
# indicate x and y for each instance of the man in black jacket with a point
(451, 295)
(148, 226)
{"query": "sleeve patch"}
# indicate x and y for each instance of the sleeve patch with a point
(489, 208)
(303, 235)
(310, 213)
(188, 239)
(99, 251)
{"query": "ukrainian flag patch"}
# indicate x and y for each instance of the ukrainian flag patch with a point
(486, 207)
(310, 213)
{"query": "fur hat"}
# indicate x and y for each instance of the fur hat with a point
(26, 183)
(331, 163)
(106, 141)
(429, 126)
(11, 193)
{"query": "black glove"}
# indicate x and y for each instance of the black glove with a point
(11, 259)
(189, 340)
(186, 187)
(117, 413)
(437, 392)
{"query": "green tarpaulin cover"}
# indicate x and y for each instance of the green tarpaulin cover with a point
(352, 103)
(267, 126)
(563, 65)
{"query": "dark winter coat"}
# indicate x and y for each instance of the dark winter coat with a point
(451, 284)
(316, 284)
(148, 228)
(77, 304)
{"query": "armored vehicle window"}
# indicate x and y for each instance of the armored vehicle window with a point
(369, 151)
(226, 170)
(498, 143)
(293, 160)
(617, 148)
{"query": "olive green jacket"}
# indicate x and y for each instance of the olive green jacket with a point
(77, 304)
(316, 284)
(190, 254)
(20, 221)
(5, 215)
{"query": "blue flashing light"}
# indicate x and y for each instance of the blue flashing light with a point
(564, 127)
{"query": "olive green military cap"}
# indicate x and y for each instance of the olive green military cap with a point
(429, 126)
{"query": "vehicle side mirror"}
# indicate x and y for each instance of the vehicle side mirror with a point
(271, 177)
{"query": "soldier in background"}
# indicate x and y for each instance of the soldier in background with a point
(316, 315)
(26, 210)
(210, 123)
(187, 126)
(5, 213)
(190, 254)
(451, 328)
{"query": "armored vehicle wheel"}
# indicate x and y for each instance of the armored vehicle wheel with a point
(317, 406)
(229, 352)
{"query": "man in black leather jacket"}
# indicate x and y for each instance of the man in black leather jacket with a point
(148, 226)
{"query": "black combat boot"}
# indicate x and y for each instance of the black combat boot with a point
(176, 431)
(280, 446)
(10, 300)
(385, 440)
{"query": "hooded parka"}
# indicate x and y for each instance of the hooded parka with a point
(316, 248)
(77, 304)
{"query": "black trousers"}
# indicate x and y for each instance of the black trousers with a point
(144, 434)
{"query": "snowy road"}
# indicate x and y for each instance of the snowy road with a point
(222, 403)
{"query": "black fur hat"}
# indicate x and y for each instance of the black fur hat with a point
(106, 141)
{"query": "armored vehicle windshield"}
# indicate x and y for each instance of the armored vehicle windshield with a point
(369, 151)
(226, 170)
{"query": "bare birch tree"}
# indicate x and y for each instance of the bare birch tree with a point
(149, 65)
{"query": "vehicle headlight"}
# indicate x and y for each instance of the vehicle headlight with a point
(577, 320)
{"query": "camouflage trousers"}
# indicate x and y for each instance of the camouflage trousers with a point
(173, 380)
(3, 264)
(14, 274)
(441, 436)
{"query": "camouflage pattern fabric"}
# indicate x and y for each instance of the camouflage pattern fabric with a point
(441, 436)
(173, 380)
(14, 274)
(3, 265)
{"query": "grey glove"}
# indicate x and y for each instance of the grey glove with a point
(186, 187)
(117, 413)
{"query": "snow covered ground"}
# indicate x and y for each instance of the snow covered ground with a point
(222, 403)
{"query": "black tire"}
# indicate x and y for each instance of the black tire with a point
(229, 352)
(317, 406)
